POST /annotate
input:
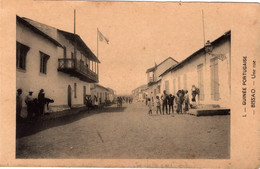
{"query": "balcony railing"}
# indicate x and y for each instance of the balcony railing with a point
(78, 69)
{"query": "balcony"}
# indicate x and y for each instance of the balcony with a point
(77, 69)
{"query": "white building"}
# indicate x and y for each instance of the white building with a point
(111, 95)
(54, 60)
(154, 79)
(101, 92)
(139, 94)
(209, 72)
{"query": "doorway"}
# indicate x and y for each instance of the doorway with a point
(69, 96)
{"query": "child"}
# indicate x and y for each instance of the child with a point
(150, 106)
(158, 105)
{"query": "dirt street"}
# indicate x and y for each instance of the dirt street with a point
(127, 132)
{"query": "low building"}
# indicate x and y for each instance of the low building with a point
(100, 92)
(210, 72)
(111, 95)
(139, 94)
(54, 60)
(154, 79)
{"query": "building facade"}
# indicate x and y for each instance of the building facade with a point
(54, 60)
(100, 92)
(154, 78)
(209, 72)
(139, 94)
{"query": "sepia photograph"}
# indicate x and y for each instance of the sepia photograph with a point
(66, 110)
(129, 80)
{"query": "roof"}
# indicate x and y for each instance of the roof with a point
(79, 43)
(154, 67)
(38, 31)
(201, 50)
(141, 87)
(49, 31)
(98, 85)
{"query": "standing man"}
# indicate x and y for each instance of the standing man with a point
(29, 103)
(171, 103)
(165, 101)
(19, 103)
(41, 100)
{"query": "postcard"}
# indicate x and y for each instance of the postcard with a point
(129, 84)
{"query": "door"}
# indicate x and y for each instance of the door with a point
(69, 96)
(214, 79)
(84, 94)
(200, 81)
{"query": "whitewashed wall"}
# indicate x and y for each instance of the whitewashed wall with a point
(190, 69)
(54, 83)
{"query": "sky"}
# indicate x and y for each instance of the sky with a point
(139, 33)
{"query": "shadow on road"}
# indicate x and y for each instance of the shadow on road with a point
(29, 128)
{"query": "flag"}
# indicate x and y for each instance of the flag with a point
(102, 37)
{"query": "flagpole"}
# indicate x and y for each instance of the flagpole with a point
(75, 43)
(97, 53)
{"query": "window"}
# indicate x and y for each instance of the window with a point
(75, 90)
(174, 87)
(179, 83)
(64, 52)
(214, 79)
(43, 62)
(21, 52)
(185, 81)
(167, 86)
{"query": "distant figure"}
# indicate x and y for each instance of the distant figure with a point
(158, 105)
(29, 102)
(19, 103)
(95, 101)
(171, 103)
(41, 101)
(150, 106)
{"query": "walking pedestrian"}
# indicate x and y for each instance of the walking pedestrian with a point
(149, 106)
(29, 102)
(158, 105)
(41, 101)
(19, 103)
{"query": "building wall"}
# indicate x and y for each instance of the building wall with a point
(187, 76)
(99, 92)
(54, 83)
(163, 67)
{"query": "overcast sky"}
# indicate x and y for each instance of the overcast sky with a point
(139, 33)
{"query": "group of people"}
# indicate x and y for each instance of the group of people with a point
(35, 106)
(165, 104)
(120, 100)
